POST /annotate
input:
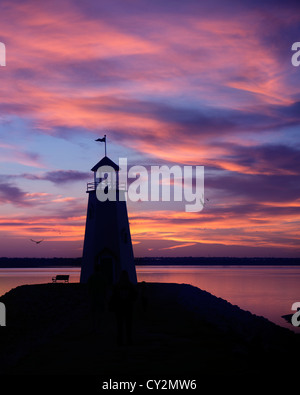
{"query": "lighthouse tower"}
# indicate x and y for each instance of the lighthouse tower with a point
(107, 240)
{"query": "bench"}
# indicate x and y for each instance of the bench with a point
(61, 277)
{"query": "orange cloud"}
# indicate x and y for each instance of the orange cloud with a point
(178, 246)
(232, 229)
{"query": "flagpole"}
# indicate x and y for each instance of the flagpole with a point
(103, 139)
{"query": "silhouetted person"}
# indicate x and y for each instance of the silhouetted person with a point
(122, 302)
(97, 289)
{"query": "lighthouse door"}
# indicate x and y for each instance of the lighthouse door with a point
(107, 261)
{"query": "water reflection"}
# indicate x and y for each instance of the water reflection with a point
(269, 291)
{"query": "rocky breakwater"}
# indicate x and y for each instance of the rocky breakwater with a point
(183, 331)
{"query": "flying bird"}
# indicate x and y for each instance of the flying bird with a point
(37, 242)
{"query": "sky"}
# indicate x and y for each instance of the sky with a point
(170, 83)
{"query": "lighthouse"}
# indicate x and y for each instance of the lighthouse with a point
(107, 240)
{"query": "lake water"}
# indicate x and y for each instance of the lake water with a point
(268, 291)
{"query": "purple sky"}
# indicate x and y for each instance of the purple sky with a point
(169, 82)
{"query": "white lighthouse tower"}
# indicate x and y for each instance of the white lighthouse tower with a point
(107, 240)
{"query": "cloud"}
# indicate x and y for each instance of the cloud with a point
(58, 176)
(11, 194)
(260, 159)
(77, 53)
(178, 246)
(12, 153)
(64, 227)
(256, 188)
(164, 89)
(224, 223)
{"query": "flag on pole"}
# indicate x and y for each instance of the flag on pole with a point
(103, 140)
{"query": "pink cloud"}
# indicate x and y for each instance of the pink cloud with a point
(16, 154)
